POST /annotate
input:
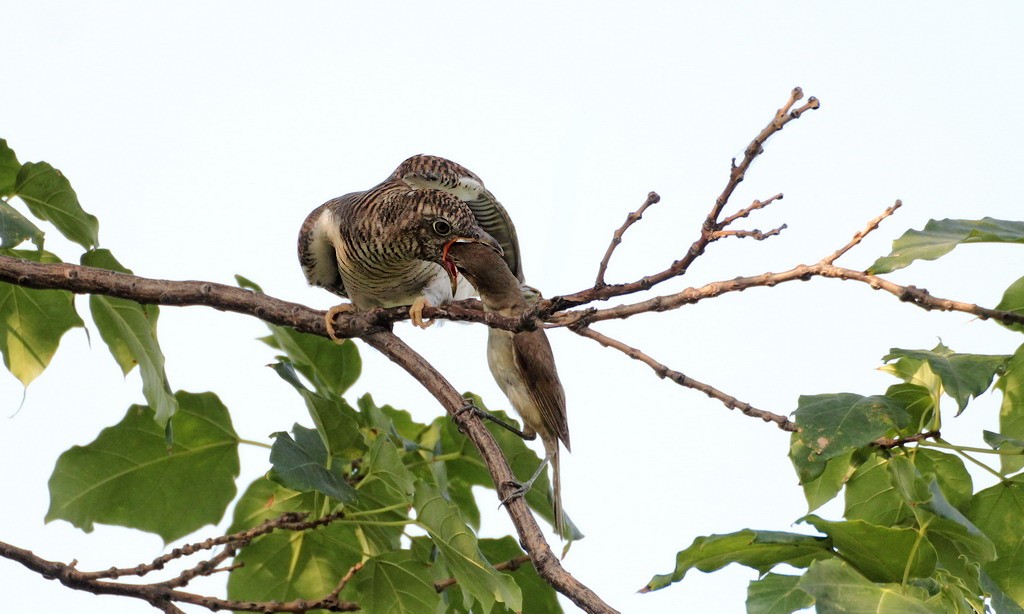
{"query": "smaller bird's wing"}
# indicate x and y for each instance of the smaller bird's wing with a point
(436, 173)
(536, 362)
(316, 246)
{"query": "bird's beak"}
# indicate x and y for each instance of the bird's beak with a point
(449, 264)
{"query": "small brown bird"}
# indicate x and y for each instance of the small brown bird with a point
(380, 247)
(522, 363)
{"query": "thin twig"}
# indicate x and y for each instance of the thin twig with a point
(757, 235)
(683, 380)
(754, 206)
(711, 224)
(857, 238)
(632, 218)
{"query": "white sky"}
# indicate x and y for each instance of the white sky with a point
(201, 134)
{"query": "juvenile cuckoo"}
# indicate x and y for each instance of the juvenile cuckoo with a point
(522, 363)
(381, 247)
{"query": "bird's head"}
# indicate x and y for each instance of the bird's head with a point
(443, 221)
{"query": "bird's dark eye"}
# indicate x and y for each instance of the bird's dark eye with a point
(442, 227)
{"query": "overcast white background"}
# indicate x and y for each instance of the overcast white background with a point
(202, 133)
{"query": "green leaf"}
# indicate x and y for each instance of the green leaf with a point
(458, 547)
(538, 595)
(265, 499)
(15, 228)
(917, 401)
(1012, 449)
(336, 422)
(963, 375)
(286, 565)
(834, 423)
(776, 594)
(824, 487)
(129, 330)
(998, 511)
(939, 237)
(760, 550)
(881, 554)
(395, 582)
(950, 474)
(870, 495)
(303, 464)
(1013, 301)
(9, 167)
(385, 495)
(33, 322)
(50, 197)
(128, 477)
(331, 367)
(1001, 602)
(396, 422)
(836, 587)
(1011, 412)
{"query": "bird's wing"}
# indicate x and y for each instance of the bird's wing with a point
(316, 247)
(536, 362)
(432, 172)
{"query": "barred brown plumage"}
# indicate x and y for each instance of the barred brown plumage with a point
(380, 247)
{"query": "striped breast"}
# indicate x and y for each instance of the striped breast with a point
(356, 246)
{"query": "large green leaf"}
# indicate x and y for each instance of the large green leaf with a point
(15, 228)
(286, 565)
(836, 587)
(1013, 300)
(998, 511)
(832, 424)
(9, 167)
(939, 237)
(457, 544)
(265, 499)
(881, 554)
(129, 330)
(963, 375)
(336, 422)
(1011, 413)
(33, 321)
(303, 464)
(870, 495)
(128, 477)
(776, 594)
(49, 196)
(760, 550)
(396, 583)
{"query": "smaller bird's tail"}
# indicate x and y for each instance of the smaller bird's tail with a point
(557, 486)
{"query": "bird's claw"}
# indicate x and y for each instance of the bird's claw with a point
(517, 490)
(480, 413)
(329, 320)
(416, 312)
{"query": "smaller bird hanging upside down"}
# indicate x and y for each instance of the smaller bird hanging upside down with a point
(381, 247)
(522, 363)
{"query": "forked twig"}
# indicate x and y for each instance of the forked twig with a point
(632, 218)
